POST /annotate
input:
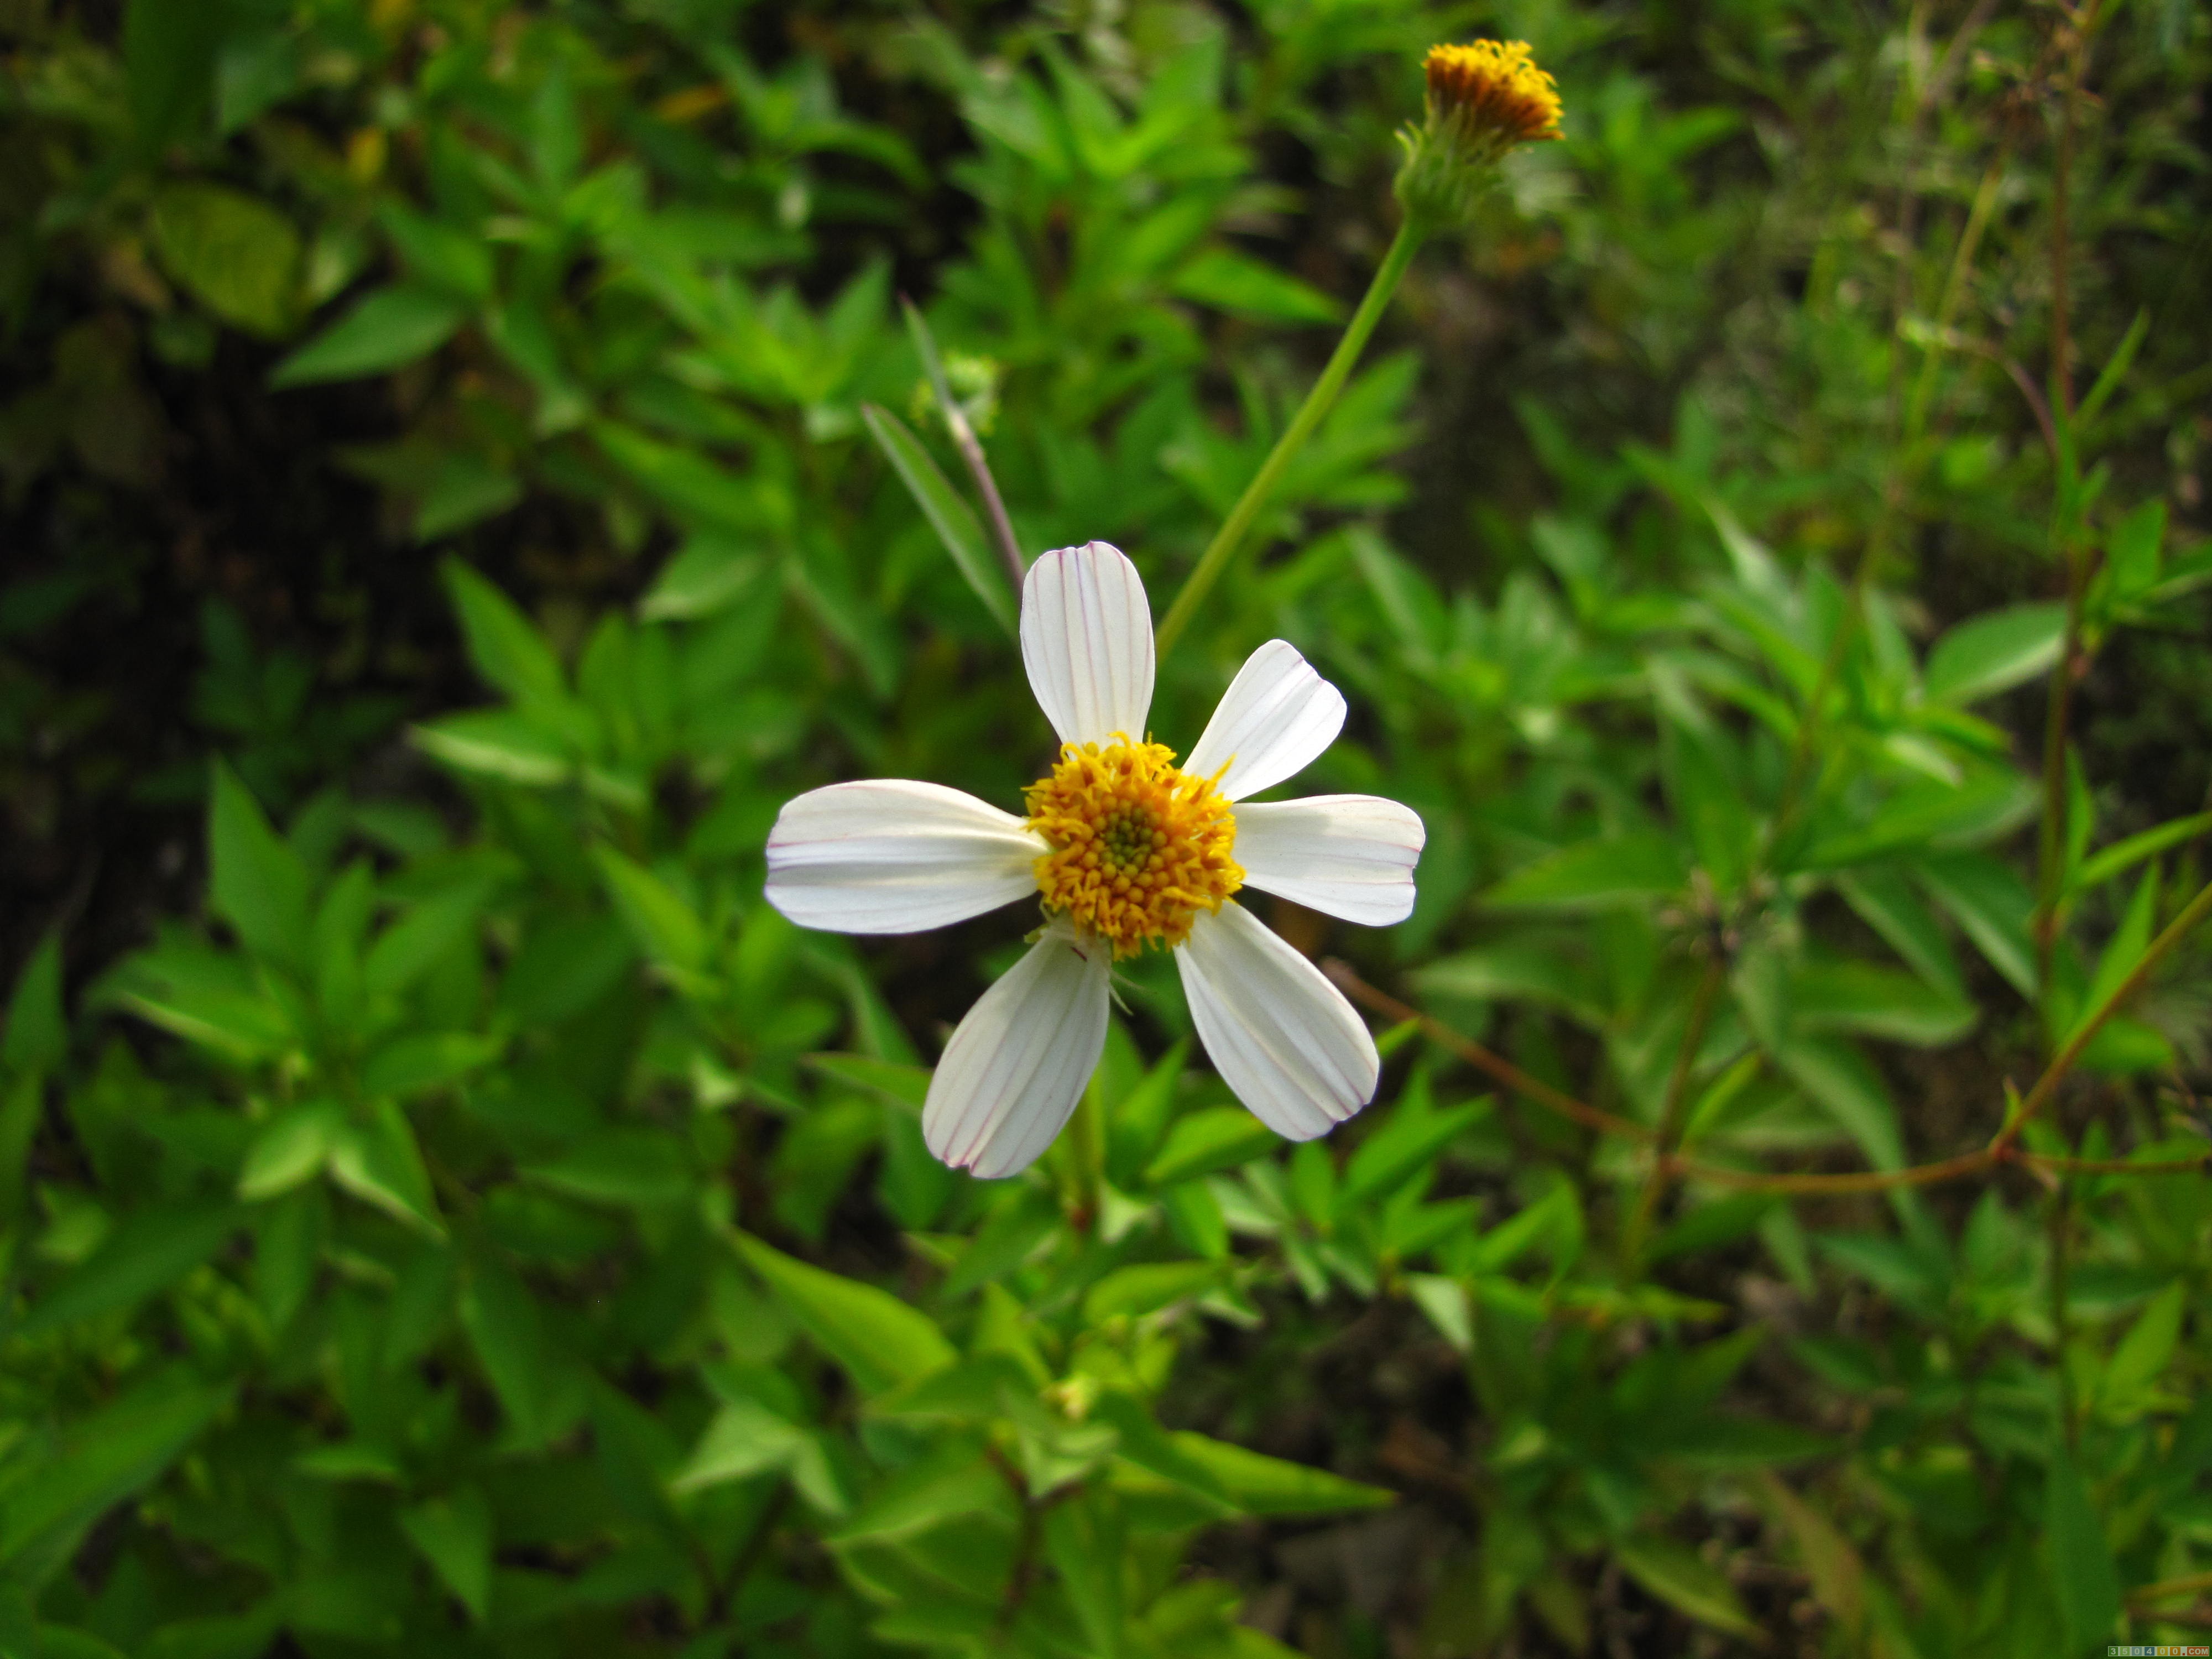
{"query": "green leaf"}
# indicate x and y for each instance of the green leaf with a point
(454, 1535)
(904, 1085)
(237, 256)
(709, 575)
(499, 743)
(668, 929)
(168, 56)
(445, 255)
(880, 1341)
(389, 329)
(2083, 1577)
(1990, 902)
(952, 1481)
(1408, 1142)
(148, 1251)
(1200, 1142)
(378, 1162)
(949, 515)
(1145, 1287)
(1985, 806)
(621, 1166)
(744, 1439)
(1595, 875)
(2123, 855)
(2123, 950)
(2145, 1352)
(1259, 1484)
(100, 1460)
(463, 490)
(1682, 1578)
(1244, 287)
(1842, 1080)
(37, 1036)
(415, 943)
(1084, 1541)
(1875, 1001)
(1993, 653)
(417, 1061)
(256, 882)
(501, 1318)
(503, 645)
(290, 1150)
(2135, 549)
(699, 489)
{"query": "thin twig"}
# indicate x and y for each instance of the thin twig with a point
(1482, 1059)
(1670, 1117)
(2002, 1149)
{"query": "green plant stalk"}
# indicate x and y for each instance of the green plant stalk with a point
(1413, 231)
(1671, 1117)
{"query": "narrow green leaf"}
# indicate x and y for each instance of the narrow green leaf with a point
(102, 1460)
(377, 1160)
(2083, 1576)
(1631, 870)
(290, 1150)
(256, 882)
(37, 1036)
(1993, 653)
(1259, 1484)
(1244, 287)
(1686, 1581)
(666, 927)
(388, 330)
(621, 1166)
(879, 1339)
(2123, 855)
(1200, 1142)
(506, 648)
(951, 517)
(148, 1250)
(454, 1535)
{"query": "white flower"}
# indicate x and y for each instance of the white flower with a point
(1126, 850)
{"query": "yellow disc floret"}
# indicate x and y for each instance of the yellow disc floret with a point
(1139, 848)
(1495, 86)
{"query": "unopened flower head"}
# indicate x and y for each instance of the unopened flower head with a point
(1483, 99)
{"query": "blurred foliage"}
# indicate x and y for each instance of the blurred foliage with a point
(481, 1225)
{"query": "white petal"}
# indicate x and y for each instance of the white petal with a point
(1351, 856)
(1017, 1063)
(1273, 721)
(892, 856)
(1087, 642)
(1281, 1036)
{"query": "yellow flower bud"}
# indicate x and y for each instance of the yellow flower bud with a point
(1483, 100)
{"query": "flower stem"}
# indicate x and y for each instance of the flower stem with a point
(1411, 233)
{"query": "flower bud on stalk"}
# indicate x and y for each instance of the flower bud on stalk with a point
(1483, 100)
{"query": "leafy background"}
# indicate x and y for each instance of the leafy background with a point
(446, 1211)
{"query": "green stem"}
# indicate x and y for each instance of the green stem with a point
(1671, 1117)
(1411, 233)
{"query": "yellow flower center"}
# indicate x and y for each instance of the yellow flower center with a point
(1139, 848)
(1496, 89)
